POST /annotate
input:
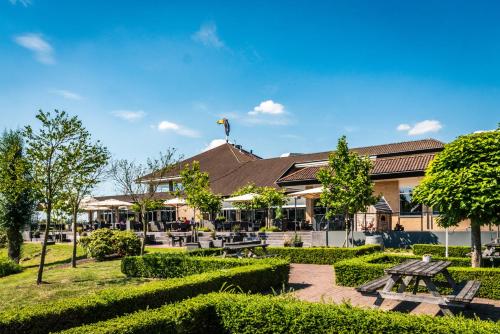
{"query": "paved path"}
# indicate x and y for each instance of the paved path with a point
(316, 283)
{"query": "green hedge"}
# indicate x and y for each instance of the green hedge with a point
(165, 265)
(354, 272)
(320, 255)
(8, 267)
(230, 313)
(440, 250)
(112, 302)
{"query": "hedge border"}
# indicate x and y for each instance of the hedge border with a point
(215, 313)
(112, 302)
(354, 272)
(440, 250)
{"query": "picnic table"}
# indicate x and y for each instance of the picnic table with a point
(235, 249)
(417, 271)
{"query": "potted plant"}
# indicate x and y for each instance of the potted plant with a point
(297, 241)
(287, 242)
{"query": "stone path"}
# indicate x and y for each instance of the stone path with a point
(316, 283)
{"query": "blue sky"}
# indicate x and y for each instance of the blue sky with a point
(291, 76)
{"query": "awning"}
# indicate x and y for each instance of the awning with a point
(242, 198)
(308, 193)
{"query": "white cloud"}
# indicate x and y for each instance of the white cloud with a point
(41, 49)
(421, 128)
(25, 3)
(207, 35)
(213, 144)
(129, 115)
(166, 126)
(268, 107)
(403, 127)
(67, 94)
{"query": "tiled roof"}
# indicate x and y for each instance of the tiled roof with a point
(127, 198)
(393, 165)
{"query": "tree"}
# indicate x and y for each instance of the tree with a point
(196, 190)
(16, 197)
(53, 151)
(140, 182)
(88, 170)
(268, 198)
(347, 187)
(463, 182)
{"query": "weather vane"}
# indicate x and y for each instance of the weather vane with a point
(227, 127)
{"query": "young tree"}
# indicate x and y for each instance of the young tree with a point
(53, 150)
(16, 197)
(196, 190)
(347, 187)
(87, 171)
(129, 178)
(463, 182)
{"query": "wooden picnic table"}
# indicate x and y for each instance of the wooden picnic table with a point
(236, 248)
(417, 271)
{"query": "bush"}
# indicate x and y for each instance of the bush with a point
(8, 267)
(165, 265)
(440, 250)
(105, 242)
(357, 271)
(112, 302)
(320, 255)
(231, 313)
(269, 229)
(3, 238)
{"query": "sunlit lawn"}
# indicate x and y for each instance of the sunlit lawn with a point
(60, 280)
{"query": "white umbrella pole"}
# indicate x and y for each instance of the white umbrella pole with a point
(446, 243)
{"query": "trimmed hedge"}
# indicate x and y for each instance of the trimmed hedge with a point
(440, 250)
(354, 272)
(8, 267)
(320, 255)
(112, 302)
(164, 265)
(230, 313)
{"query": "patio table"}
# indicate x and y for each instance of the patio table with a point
(420, 271)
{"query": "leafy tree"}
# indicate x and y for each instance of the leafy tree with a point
(87, 171)
(347, 187)
(463, 182)
(16, 197)
(140, 182)
(53, 151)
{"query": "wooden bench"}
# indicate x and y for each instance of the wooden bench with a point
(466, 294)
(373, 286)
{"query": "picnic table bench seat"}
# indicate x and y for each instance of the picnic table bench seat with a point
(467, 293)
(373, 286)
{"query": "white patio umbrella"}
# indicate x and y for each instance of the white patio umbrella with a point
(308, 193)
(242, 198)
(112, 204)
(176, 202)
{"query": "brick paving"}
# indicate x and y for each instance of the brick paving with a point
(316, 283)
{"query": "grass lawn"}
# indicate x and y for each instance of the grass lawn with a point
(61, 281)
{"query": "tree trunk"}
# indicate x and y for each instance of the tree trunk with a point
(145, 232)
(347, 229)
(14, 241)
(44, 246)
(73, 257)
(476, 244)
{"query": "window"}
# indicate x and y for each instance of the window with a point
(163, 188)
(407, 206)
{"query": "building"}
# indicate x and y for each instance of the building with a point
(398, 168)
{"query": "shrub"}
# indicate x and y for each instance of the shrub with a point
(112, 302)
(440, 250)
(320, 255)
(8, 267)
(231, 313)
(356, 271)
(105, 242)
(269, 229)
(3, 238)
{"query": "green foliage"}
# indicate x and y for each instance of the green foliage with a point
(3, 238)
(105, 242)
(357, 271)
(109, 303)
(8, 267)
(240, 313)
(320, 255)
(16, 196)
(269, 229)
(463, 181)
(269, 197)
(165, 265)
(348, 188)
(440, 250)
